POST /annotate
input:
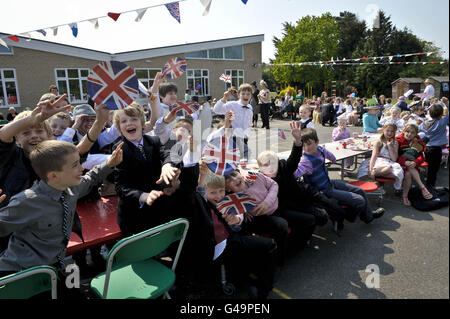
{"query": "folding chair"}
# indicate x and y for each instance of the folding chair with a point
(132, 273)
(29, 282)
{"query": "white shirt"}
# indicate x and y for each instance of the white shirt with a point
(388, 119)
(309, 125)
(242, 116)
(429, 90)
(106, 137)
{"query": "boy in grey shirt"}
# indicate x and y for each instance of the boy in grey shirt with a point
(40, 218)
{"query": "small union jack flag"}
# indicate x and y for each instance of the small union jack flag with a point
(185, 108)
(252, 176)
(237, 203)
(281, 134)
(112, 83)
(174, 9)
(174, 68)
(221, 155)
(225, 78)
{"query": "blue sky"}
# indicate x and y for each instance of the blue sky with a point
(429, 20)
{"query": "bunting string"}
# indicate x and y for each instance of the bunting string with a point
(113, 15)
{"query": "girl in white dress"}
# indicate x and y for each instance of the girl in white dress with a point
(383, 162)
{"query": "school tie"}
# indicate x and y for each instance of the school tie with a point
(65, 225)
(245, 106)
(141, 149)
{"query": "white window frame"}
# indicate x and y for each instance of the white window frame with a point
(238, 77)
(5, 96)
(223, 54)
(201, 77)
(83, 95)
(148, 79)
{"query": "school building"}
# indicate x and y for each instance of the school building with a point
(28, 68)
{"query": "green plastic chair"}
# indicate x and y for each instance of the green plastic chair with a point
(28, 283)
(132, 273)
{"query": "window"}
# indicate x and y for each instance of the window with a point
(198, 82)
(216, 53)
(9, 95)
(234, 52)
(197, 54)
(146, 76)
(73, 82)
(5, 50)
(237, 78)
(228, 53)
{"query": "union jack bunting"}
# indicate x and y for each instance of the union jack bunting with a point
(185, 108)
(174, 68)
(225, 78)
(112, 83)
(174, 9)
(237, 203)
(221, 155)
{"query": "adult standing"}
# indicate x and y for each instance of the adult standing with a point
(255, 104)
(264, 100)
(429, 91)
(299, 98)
(12, 114)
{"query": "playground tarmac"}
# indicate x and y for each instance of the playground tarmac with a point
(409, 249)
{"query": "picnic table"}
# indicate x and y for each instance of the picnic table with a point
(99, 224)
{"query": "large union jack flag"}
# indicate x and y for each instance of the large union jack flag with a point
(174, 68)
(184, 108)
(237, 203)
(112, 83)
(221, 155)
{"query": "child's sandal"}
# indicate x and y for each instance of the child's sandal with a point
(425, 193)
(406, 201)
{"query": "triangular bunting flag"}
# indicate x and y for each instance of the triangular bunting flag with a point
(390, 58)
(207, 5)
(13, 38)
(244, 1)
(42, 31)
(3, 43)
(74, 28)
(113, 15)
(27, 35)
(55, 31)
(174, 9)
(94, 22)
(429, 53)
(140, 14)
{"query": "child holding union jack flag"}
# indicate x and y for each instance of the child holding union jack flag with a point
(211, 242)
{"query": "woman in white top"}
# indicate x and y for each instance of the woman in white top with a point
(429, 90)
(264, 101)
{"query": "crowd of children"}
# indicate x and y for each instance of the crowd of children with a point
(55, 155)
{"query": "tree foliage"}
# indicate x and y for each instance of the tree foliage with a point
(345, 36)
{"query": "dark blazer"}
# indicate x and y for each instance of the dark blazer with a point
(134, 176)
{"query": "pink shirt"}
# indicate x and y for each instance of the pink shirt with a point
(338, 135)
(264, 189)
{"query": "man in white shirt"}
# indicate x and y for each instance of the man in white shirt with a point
(243, 115)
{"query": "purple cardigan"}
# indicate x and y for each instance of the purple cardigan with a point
(264, 189)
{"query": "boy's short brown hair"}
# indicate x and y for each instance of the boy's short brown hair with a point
(180, 122)
(215, 181)
(62, 116)
(167, 87)
(309, 134)
(44, 125)
(132, 110)
(436, 111)
(244, 87)
(50, 156)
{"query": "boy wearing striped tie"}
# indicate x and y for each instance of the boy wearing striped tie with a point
(40, 218)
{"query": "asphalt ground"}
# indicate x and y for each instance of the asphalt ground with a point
(408, 248)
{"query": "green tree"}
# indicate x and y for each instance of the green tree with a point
(311, 39)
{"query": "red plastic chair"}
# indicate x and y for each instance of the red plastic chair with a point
(372, 188)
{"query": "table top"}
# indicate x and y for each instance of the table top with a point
(99, 224)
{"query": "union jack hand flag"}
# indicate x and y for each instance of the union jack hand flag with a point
(281, 134)
(221, 155)
(185, 108)
(174, 68)
(237, 203)
(251, 176)
(112, 83)
(225, 78)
